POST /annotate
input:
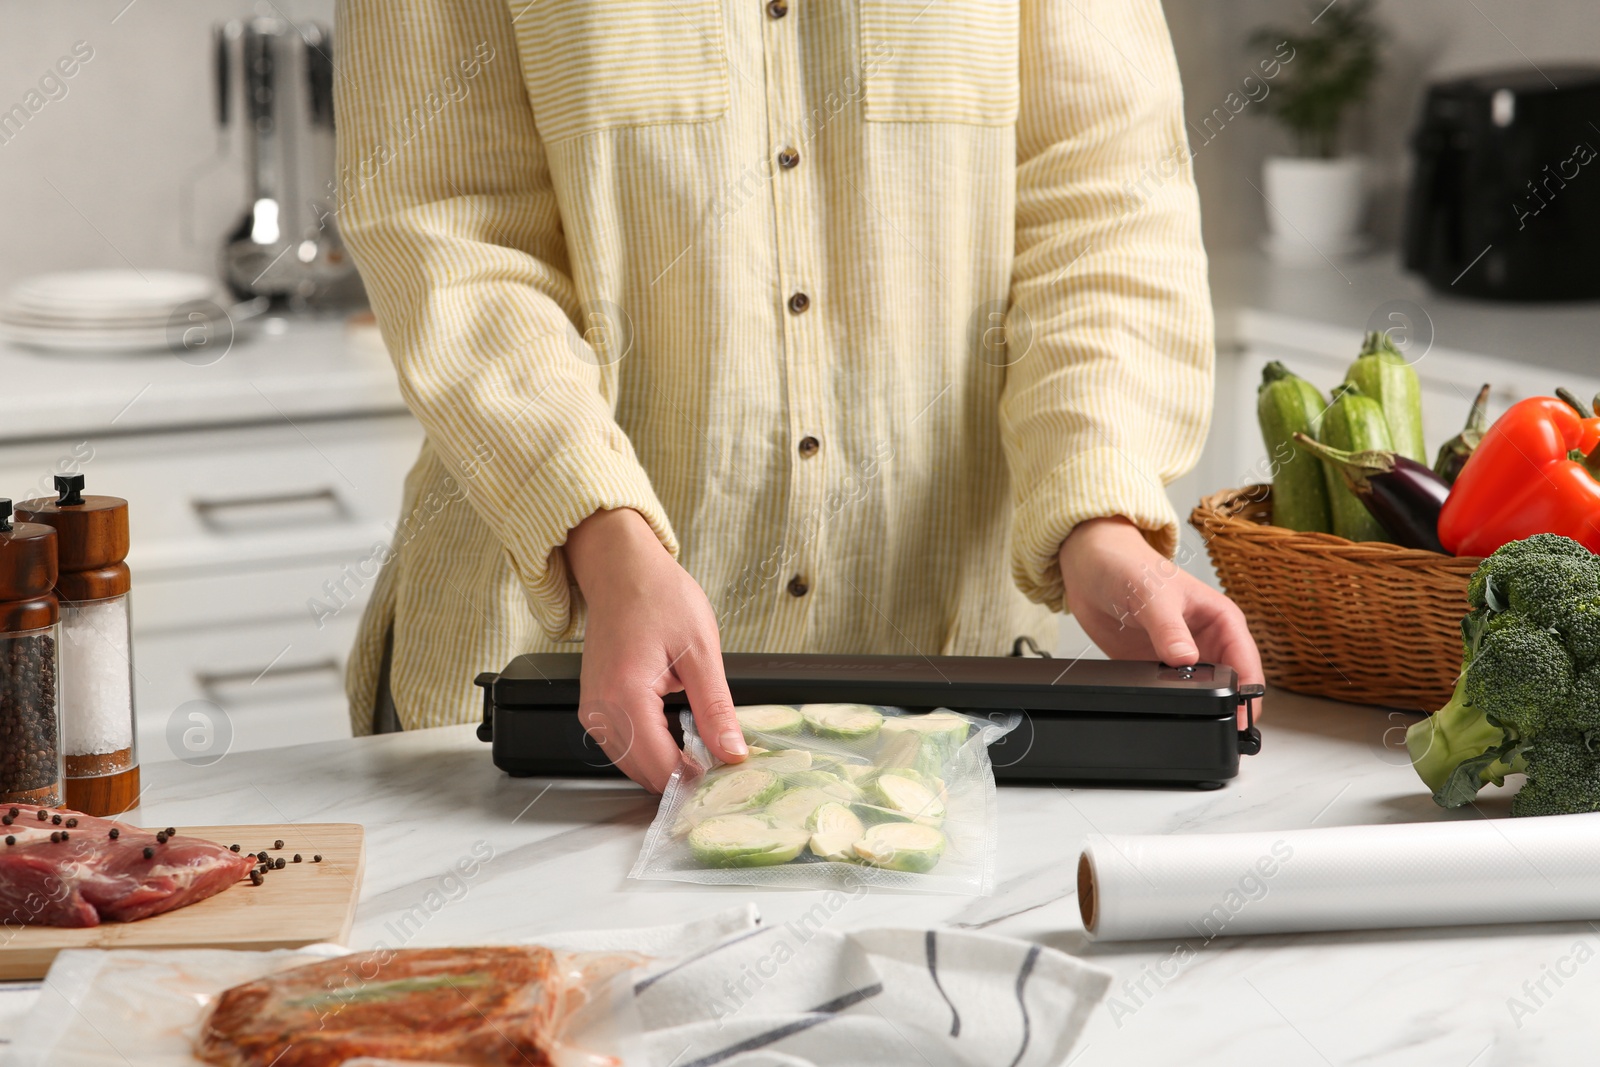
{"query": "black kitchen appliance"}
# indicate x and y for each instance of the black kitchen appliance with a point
(1081, 720)
(1505, 197)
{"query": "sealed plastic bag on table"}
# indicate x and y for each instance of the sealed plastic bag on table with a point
(831, 795)
(487, 1005)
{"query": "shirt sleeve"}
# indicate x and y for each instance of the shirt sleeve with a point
(1108, 392)
(446, 203)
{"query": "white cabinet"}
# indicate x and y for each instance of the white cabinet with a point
(235, 532)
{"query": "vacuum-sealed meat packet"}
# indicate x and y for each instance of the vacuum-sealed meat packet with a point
(488, 1005)
(834, 795)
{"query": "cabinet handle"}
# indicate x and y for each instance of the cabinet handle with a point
(212, 510)
(211, 683)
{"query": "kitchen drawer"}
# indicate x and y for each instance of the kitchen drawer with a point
(304, 591)
(211, 500)
(205, 692)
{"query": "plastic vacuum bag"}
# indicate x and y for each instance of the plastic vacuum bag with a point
(165, 1008)
(834, 795)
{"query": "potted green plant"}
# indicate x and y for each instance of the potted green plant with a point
(1315, 198)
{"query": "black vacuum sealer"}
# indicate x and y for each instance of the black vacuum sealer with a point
(1081, 720)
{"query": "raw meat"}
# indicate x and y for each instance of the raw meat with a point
(483, 1006)
(89, 878)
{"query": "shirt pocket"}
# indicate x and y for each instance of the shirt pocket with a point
(946, 61)
(601, 64)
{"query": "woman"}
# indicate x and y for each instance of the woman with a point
(804, 325)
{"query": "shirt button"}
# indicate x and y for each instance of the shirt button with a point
(798, 587)
(776, 9)
(788, 158)
(809, 446)
(799, 302)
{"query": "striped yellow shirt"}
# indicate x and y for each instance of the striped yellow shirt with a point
(862, 304)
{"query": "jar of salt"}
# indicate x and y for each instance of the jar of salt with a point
(97, 717)
(30, 734)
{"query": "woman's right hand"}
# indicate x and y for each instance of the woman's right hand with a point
(650, 631)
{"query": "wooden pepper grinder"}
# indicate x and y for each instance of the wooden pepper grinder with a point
(97, 713)
(30, 724)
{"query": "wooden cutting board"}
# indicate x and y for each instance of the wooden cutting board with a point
(302, 904)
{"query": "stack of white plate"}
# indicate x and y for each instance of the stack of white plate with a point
(105, 310)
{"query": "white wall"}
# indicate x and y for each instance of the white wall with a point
(124, 167)
(1425, 39)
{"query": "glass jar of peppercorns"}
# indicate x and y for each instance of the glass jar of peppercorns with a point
(30, 723)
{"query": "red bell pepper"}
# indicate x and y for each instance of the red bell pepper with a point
(1536, 471)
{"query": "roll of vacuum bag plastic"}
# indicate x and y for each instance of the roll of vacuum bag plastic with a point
(1341, 878)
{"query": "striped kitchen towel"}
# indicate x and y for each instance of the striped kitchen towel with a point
(752, 995)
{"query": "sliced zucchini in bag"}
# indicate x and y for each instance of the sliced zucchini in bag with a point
(842, 722)
(836, 787)
(733, 789)
(835, 829)
(745, 841)
(779, 719)
(794, 807)
(911, 796)
(901, 846)
(781, 761)
(926, 742)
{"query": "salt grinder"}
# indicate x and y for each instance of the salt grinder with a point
(30, 734)
(99, 752)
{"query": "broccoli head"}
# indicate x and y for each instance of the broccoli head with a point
(1563, 776)
(1528, 697)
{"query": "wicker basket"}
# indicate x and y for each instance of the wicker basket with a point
(1366, 622)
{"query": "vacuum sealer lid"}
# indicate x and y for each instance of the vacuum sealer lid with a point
(977, 682)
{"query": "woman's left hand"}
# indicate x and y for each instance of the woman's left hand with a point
(1136, 604)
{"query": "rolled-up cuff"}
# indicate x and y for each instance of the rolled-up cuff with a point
(566, 490)
(1090, 485)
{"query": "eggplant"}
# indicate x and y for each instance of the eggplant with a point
(1402, 494)
(1454, 453)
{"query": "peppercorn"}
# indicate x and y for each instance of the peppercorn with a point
(14, 812)
(161, 838)
(56, 819)
(317, 858)
(72, 822)
(278, 843)
(55, 838)
(262, 855)
(64, 835)
(255, 877)
(277, 864)
(233, 848)
(297, 857)
(115, 833)
(10, 840)
(29, 727)
(43, 815)
(5, 820)
(149, 853)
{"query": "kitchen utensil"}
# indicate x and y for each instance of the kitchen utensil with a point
(30, 634)
(1505, 195)
(1453, 873)
(302, 904)
(97, 719)
(274, 82)
(1100, 720)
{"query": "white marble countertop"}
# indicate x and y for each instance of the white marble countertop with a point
(277, 367)
(561, 850)
(1319, 306)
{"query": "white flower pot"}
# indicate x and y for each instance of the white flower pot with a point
(1315, 208)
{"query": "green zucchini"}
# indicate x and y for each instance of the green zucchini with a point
(1382, 373)
(1355, 423)
(1286, 404)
